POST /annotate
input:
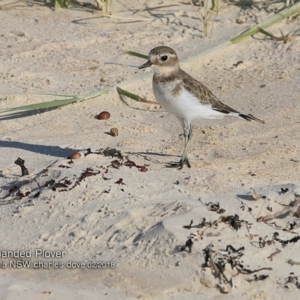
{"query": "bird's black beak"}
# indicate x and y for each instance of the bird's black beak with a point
(146, 65)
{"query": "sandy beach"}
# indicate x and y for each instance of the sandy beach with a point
(116, 223)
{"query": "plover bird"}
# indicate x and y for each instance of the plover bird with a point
(183, 96)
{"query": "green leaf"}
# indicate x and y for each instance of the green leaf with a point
(54, 103)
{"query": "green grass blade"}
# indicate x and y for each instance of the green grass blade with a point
(128, 94)
(62, 3)
(285, 13)
(134, 96)
(54, 103)
(132, 53)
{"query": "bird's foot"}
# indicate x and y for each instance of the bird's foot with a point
(179, 165)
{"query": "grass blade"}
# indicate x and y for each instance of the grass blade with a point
(54, 103)
(285, 13)
(132, 53)
(134, 96)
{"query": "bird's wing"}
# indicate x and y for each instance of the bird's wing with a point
(205, 96)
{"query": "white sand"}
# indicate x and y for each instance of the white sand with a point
(138, 225)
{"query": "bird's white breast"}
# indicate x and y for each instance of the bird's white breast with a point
(182, 104)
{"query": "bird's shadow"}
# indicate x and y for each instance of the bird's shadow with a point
(40, 149)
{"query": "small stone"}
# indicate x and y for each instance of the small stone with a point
(75, 155)
(104, 115)
(114, 131)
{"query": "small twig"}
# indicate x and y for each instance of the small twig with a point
(7, 4)
(273, 254)
(212, 263)
(267, 218)
(194, 8)
(215, 6)
(126, 18)
(266, 199)
(247, 271)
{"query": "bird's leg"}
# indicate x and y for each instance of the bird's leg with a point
(187, 133)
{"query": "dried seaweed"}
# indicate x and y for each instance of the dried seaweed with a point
(188, 244)
(188, 226)
(291, 208)
(295, 239)
(227, 257)
(143, 169)
(211, 206)
(130, 164)
(120, 181)
(233, 221)
(200, 225)
(66, 184)
(293, 262)
(250, 236)
(87, 173)
(258, 278)
(264, 242)
(206, 251)
(88, 152)
(284, 191)
(21, 162)
(22, 195)
(112, 152)
(36, 195)
(64, 167)
(58, 185)
(11, 190)
(294, 280)
(105, 152)
(243, 270)
(243, 205)
(230, 249)
(217, 261)
(104, 177)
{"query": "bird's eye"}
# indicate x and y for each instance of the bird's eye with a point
(164, 57)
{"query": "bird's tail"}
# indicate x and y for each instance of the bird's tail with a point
(250, 118)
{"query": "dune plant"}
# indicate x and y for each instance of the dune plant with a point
(67, 99)
(62, 3)
(104, 5)
(210, 8)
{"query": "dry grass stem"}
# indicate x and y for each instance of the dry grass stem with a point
(283, 38)
(126, 18)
